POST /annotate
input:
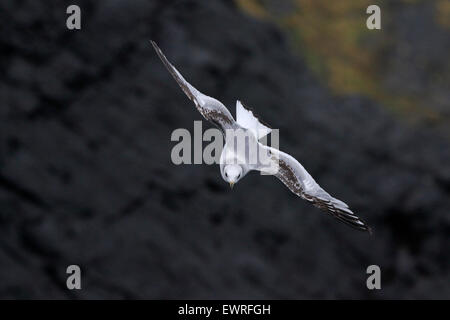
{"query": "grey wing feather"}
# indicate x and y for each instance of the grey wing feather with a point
(300, 182)
(210, 108)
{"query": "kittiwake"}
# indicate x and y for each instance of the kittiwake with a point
(235, 164)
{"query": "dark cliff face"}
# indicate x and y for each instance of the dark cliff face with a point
(86, 177)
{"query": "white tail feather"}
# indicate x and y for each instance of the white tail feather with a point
(247, 119)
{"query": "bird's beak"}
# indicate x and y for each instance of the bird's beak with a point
(231, 185)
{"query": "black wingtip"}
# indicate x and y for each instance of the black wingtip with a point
(365, 227)
(155, 46)
(352, 221)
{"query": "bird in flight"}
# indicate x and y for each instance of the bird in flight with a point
(235, 164)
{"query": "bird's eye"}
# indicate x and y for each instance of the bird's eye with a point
(239, 175)
(226, 174)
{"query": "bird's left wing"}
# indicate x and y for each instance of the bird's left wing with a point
(210, 108)
(300, 182)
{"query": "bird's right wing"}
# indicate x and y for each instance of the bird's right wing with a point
(210, 108)
(300, 182)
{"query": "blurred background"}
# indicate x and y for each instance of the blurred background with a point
(86, 177)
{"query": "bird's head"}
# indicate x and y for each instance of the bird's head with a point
(232, 173)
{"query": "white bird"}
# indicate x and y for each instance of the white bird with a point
(235, 164)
